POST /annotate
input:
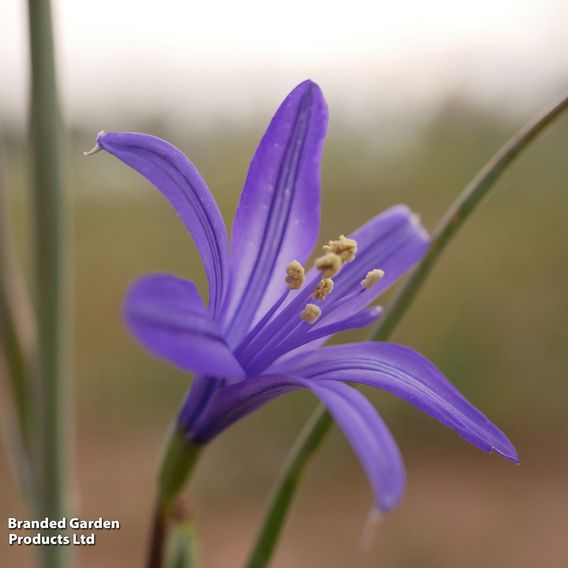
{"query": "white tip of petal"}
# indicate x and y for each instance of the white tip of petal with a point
(369, 534)
(416, 221)
(93, 151)
(97, 148)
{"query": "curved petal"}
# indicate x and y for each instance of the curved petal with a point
(407, 374)
(196, 400)
(370, 438)
(179, 181)
(277, 219)
(362, 426)
(233, 402)
(167, 316)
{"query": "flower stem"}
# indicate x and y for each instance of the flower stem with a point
(157, 539)
(320, 422)
(183, 541)
(50, 255)
(176, 468)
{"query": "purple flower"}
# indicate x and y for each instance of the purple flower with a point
(263, 330)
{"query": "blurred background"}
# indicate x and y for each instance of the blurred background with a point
(420, 94)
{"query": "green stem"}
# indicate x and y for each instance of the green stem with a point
(320, 423)
(182, 549)
(50, 257)
(177, 466)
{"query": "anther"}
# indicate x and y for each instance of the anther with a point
(295, 275)
(343, 247)
(329, 264)
(323, 289)
(311, 313)
(372, 278)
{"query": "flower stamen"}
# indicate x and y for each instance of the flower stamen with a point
(311, 313)
(373, 276)
(344, 248)
(295, 275)
(323, 289)
(329, 264)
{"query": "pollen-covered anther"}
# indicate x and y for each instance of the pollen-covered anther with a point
(329, 264)
(295, 275)
(323, 289)
(311, 313)
(373, 276)
(344, 248)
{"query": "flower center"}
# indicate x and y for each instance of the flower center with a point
(290, 322)
(337, 253)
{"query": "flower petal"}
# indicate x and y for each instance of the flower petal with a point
(179, 181)
(305, 335)
(362, 426)
(167, 316)
(370, 438)
(233, 402)
(407, 374)
(197, 398)
(277, 219)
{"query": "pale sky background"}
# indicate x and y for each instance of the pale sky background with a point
(179, 58)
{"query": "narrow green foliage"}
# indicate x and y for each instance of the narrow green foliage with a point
(50, 277)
